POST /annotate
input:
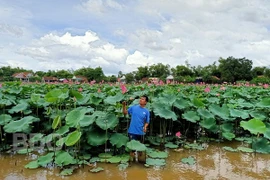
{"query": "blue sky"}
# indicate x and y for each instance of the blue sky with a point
(121, 35)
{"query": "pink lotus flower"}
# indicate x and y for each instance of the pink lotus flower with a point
(218, 94)
(265, 86)
(178, 134)
(222, 88)
(207, 89)
(65, 81)
(123, 88)
(80, 89)
(0, 85)
(99, 90)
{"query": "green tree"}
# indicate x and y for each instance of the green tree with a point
(159, 70)
(143, 72)
(129, 77)
(258, 71)
(181, 70)
(63, 74)
(233, 69)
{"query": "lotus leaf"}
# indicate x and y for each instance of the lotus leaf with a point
(229, 149)
(197, 102)
(258, 115)
(56, 122)
(4, 119)
(87, 120)
(35, 97)
(264, 103)
(36, 138)
(66, 172)
(118, 139)
(105, 155)
(46, 159)
(162, 111)
(167, 99)
(74, 117)
(62, 130)
(229, 136)
(94, 159)
(213, 100)
(227, 127)
(114, 159)
(267, 133)
(76, 94)
(157, 154)
(261, 145)
(97, 169)
(136, 145)
(181, 103)
(254, 126)
(56, 96)
(96, 138)
(113, 99)
(155, 162)
(107, 121)
(32, 165)
(190, 160)
(191, 116)
(60, 142)
(208, 123)
(205, 113)
(63, 158)
(171, 145)
(18, 108)
(73, 138)
(222, 112)
(25, 151)
(245, 149)
(122, 166)
(21, 125)
(239, 113)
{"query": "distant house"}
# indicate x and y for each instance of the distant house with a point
(81, 79)
(23, 76)
(49, 79)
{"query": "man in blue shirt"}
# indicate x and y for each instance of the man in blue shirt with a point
(140, 119)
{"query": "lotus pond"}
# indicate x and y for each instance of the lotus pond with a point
(202, 131)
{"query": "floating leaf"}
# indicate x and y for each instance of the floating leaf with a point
(229, 136)
(245, 149)
(105, 155)
(229, 149)
(63, 158)
(25, 151)
(171, 145)
(190, 160)
(261, 145)
(254, 126)
(136, 146)
(95, 170)
(114, 159)
(157, 154)
(32, 165)
(122, 166)
(66, 172)
(46, 159)
(155, 162)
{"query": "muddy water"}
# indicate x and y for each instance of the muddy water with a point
(213, 163)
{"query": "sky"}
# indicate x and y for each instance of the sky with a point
(122, 35)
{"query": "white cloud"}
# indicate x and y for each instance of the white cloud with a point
(137, 58)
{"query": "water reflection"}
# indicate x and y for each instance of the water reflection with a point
(213, 163)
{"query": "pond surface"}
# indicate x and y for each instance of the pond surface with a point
(213, 163)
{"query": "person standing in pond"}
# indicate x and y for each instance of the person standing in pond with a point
(140, 118)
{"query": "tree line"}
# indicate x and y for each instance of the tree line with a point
(229, 70)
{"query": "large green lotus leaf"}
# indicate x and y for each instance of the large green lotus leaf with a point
(87, 120)
(4, 119)
(21, 125)
(245, 149)
(122, 166)
(222, 112)
(136, 146)
(60, 142)
(32, 165)
(155, 162)
(208, 123)
(197, 102)
(181, 103)
(191, 116)
(205, 113)
(62, 130)
(74, 117)
(267, 133)
(67, 172)
(115, 159)
(245, 105)
(76, 94)
(95, 100)
(96, 138)
(171, 145)
(213, 100)
(239, 113)
(5, 102)
(46, 159)
(254, 126)
(25, 151)
(107, 121)
(85, 98)
(163, 111)
(229, 149)
(56, 122)
(73, 138)
(264, 103)
(190, 160)
(35, 97)
(47, 139)
(105, 155)
(227, 135)
(56, 96)
(157, 154)
(118, 140)
(112, 100)
(63, 158)
(167, 99)
(36, 138)
(258, 115)
(18, 108)
(227, 127)
(97, 169)
(261, 145)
